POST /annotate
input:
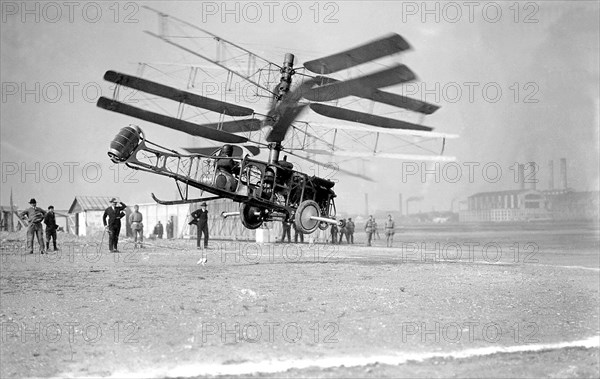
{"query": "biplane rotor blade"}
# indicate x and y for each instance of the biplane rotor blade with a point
(170, 122)
(365, 118)
(382, 47)
(176, 95)
(337, 169)
(386, 97)
(237, 150)
(339, 89)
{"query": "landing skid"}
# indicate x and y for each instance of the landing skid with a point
(190, 201)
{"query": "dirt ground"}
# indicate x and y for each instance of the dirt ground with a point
(507, 295)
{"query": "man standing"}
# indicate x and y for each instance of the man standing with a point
(169, 229)
(370, 229)
(159, 230)
(137, 226)
(50, 221)
(114, 213)
(389, 231)
(298, 233)
(334, 231)
(350, 231)
(287, 226)
(343, 230)
(200, 218)
(35, 216)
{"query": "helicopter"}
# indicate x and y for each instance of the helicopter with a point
(265, 190)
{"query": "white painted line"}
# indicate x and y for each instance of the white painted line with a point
(273, 366)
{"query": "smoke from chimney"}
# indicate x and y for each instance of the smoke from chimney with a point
(532, 178)
(551, 178)
(521, 176)
(563, 173)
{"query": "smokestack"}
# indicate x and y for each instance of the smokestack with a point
(563, 173)
(366, 203)
(532, 178)
(400, 203)
(551, 178)
(521, 176)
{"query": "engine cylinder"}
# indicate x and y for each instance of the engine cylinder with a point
(124, 143)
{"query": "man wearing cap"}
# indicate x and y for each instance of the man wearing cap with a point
(137, 226)
(50, 221)
(200, 218)
(35, 216)
(114, 213)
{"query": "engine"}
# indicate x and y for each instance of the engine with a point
(124, 144)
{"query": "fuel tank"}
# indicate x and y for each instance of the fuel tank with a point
(124, 143)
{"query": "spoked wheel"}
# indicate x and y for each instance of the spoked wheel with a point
(251, 216)
(305, 211)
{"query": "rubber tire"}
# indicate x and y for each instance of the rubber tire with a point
(249, 219)
(305, 211)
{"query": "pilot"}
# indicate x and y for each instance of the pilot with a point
(226, 167)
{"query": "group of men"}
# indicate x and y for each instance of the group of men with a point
(287, 227)
(346, 229)
(35, 216)
(371, 230)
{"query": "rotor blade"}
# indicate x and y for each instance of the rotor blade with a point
(237, 150)
(382, 47)
(385, 78)
(386, 97)
(337, 168)
(170, 122)
(286, 111)
(177, 95)
(365, 118)
(285, 119)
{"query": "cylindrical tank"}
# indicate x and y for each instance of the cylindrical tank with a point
(124, 143)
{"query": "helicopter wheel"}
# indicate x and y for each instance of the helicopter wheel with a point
(305, 211)
(249, 217)
(323, 225)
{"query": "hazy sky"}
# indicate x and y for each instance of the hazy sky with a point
(517, 81)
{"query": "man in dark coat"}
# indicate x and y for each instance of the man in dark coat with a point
(50, 221)
(200, 218)
(114, 214)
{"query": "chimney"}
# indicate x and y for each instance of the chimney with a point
(521, 176)
(400, 203)
(563, 173)
(532, 177)
(551, 178)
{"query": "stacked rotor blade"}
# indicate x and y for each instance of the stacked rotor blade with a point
(367, 86)
(221, 131)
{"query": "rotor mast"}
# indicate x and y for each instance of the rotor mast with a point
(283, 88)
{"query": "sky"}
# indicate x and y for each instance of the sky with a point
(517, 81)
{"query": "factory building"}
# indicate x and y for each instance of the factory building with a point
(531, 204)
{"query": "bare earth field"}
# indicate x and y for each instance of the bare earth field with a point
(518, 301)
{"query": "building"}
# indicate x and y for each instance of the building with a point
(511, 205)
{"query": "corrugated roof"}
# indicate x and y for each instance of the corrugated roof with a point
(90, 203)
